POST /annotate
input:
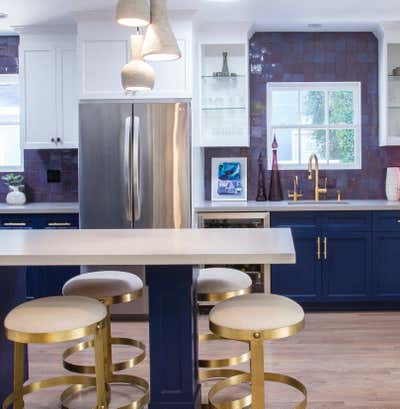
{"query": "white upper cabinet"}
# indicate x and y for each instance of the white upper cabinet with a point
(104, 48)
(389, 85)
(223, 87)
(49, 98)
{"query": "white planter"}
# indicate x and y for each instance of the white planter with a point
(393, 184)
(15, 196)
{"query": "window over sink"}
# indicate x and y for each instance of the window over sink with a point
(322, 118)
(11, 151)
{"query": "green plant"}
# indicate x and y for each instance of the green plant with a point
(13, 180)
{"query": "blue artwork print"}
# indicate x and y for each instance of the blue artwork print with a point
(229, 179)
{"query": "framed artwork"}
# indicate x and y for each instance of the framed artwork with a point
(229, 179)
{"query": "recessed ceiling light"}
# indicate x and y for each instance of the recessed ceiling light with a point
(3, 15)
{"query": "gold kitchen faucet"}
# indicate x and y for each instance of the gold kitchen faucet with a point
(317, 190)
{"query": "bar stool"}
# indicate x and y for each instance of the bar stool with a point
(255, 318)
(109, 287)
(49, 321)
(215, 285)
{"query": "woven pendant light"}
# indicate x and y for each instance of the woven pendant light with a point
(160, 43)
(137, 75)
(133, 13)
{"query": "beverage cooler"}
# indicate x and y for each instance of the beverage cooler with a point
(259, 273)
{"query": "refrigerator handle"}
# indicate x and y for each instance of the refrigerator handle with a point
(128, 165)
(137, 198)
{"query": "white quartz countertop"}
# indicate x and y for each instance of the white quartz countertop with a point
(345, 205)
(146, 247)
(37, 208)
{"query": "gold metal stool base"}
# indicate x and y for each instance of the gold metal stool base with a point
(224, 362)
(205, 375)
(74, 380)
(116, 367)
(131, 380)
(246, 401)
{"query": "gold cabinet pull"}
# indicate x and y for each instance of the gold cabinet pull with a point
(57, 224)
(319, 248)
(325, 248)
(14, 224)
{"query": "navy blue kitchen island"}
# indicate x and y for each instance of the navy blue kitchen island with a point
(171, 258)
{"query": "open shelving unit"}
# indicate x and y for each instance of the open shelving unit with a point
(224, 99)
(393, 95)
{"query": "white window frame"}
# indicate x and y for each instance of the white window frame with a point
(355, 87)
(13, 78)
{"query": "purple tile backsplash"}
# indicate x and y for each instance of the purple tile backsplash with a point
(9, 54)
(37, 163)
(313, 57)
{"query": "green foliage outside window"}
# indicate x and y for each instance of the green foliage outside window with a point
(341, 112)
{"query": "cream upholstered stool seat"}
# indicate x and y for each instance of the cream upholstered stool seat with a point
(218, 284)
(52, 320)
(215, 285)
(105, 285)
(109, 287)
(255, 318)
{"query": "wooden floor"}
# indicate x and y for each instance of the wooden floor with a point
(347, 360)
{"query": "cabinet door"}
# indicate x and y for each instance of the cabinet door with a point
(101, 61)
(386, 267)
(346, 264)
(45, 281)
(38, 67)
(301, 281)
(67, 83)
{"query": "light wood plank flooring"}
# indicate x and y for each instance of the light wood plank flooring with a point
(347, 361)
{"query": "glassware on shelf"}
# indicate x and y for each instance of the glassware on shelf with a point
(225, 68)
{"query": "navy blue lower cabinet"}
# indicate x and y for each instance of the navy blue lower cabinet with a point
(301, 281)
(11, 295)
(334, 259)
(346, 265)
(43, 281)
(386, 277)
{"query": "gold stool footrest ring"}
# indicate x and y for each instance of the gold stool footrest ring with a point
(135, 381)
(49, 383)
(205, 375)
(224, 362)
(119, 366)
(247, 400)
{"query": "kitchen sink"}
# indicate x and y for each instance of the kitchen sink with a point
(321, 202)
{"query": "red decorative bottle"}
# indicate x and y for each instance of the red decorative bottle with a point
(275, 189)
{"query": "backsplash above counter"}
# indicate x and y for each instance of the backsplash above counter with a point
(315, 57)
(42, 170)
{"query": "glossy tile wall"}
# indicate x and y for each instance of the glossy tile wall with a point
(313, 57)
(37, 186)
(9, 54)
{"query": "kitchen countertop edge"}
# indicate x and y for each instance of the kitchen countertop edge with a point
(252, 206)
(40, 208)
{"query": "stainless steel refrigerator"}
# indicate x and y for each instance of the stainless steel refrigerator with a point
(134, 170)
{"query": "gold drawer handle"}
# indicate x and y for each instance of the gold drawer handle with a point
(55, 224)
(325, 248)
(319, 248)
(14, 224)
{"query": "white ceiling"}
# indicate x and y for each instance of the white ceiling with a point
(262, 13)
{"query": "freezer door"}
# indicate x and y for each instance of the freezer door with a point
(161, 166)
(105, 165)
